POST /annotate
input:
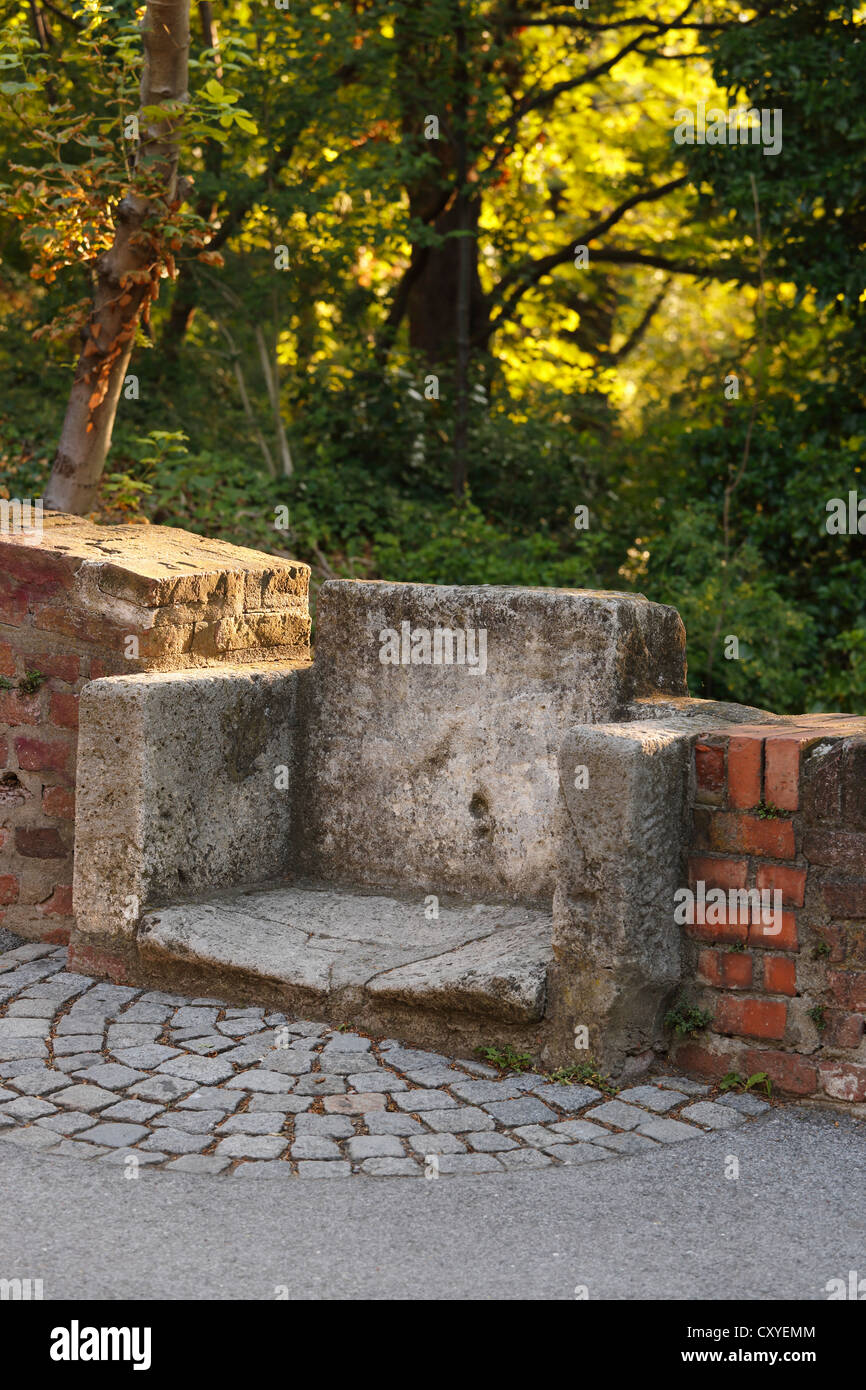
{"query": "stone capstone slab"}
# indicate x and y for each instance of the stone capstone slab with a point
(190, 601)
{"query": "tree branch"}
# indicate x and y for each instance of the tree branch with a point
(640, 328)
(721, 270)
(570, 20)
(568, 84)
(532, 270)
(67, 19)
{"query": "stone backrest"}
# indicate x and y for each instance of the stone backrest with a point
(432, 721)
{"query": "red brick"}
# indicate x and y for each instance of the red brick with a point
(845, 899)
(718, 873)
(780, 975)
(90, 960)
(821, 785)
(75, 622)
(4, 752)
(7, 660)
(724, 933)
(709, 967)
(843, 1080)
(36, 755)
(786, 1070)
(848, 988)
(110, 666)
(853, 945)
(751, 1018)
(837, 849)
(39, 842)
(771, 837)
(18, 708)
(842, 1029)
(737, 907)
(791, 882)
(58, 936)
(59, 801)
(13, 603)
(60, 667)
(726, 969)
(710, 770)
(785, 940)
(733, 833)
(64, 709)
(37, 568)
(8, 889)
(782, 772)
(744, 771)
(692, 1057)
(36, 596)
(60, 902)
(854, 784)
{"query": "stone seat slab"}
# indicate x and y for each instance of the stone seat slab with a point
(331, 946)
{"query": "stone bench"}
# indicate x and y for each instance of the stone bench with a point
(382, 834)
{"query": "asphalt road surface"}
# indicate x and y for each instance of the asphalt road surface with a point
(663, 1225)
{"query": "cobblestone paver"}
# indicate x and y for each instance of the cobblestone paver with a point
(111, 1073)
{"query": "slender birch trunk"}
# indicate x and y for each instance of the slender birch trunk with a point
(125, 276)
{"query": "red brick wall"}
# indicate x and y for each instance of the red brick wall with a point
(68, 604)
(782, 807)
(38, 737)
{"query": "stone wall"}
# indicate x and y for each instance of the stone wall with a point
(81, 602)
(782, 808)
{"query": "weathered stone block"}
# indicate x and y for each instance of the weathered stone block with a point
(182, 789)
(99, 585)
(443, 773)
(616, 946)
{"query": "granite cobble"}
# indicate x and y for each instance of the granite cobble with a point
(113, 1073)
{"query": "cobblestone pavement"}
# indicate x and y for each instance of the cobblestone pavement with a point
(122, 1075)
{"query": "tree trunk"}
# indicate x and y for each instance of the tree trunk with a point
(432, 300)
(186, 291)
(118, 300)
(466, 263)
(433, 79)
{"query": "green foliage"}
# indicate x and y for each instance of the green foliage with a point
(685, 1018)
(733, 1081)
(818, 1015)
(505, 1058)
(308, 135)
(587, 1074)
(28, 683)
